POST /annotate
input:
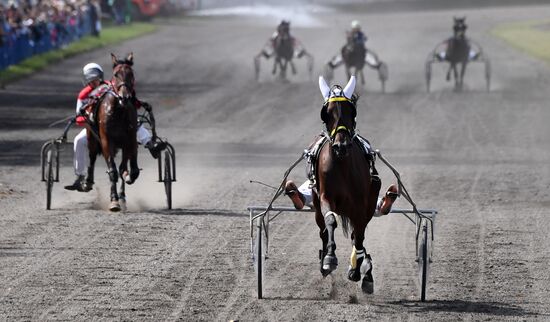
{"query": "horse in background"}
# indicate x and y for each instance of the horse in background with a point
(458, 52)
(346, 185)
(116, 125)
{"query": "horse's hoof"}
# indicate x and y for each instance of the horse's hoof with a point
(115, 206)
(330, 263)
(325, 273)
(354, 275)
(123, 205)
(367, 286)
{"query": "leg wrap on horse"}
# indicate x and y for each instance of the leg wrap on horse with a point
(330, 219)
(113, 175)
(356, 261)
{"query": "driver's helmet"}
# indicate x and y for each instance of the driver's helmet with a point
(355, 25)
(91, 72)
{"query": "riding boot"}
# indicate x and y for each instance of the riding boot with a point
(155, 148)
(77, 185)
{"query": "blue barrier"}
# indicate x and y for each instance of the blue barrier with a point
(21, 44)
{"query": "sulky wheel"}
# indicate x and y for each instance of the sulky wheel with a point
(488, 74)
(49, 176)
(423, 245)
(259, 257)
(428, 73)
(168, 178)
(383, 74)
(256, 68)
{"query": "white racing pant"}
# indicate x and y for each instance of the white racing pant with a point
(81, 157)
(308, 196)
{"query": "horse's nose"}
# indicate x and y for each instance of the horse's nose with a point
(341, 149)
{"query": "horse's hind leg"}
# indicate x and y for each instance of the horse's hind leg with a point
(462, 72)
(362, 77)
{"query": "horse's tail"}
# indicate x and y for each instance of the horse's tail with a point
(345, 225)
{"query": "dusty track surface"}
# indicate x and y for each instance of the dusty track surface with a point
(480, 158)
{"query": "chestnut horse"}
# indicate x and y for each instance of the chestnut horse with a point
(117, 125)
(346, 185)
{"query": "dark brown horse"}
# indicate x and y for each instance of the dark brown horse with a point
(458, 52)
(345, 185)
(283, 47)
(353, 55)
(116, 126)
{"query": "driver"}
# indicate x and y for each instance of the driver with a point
(354, 37)
(302, 196)
(94, 87)
(283, 30)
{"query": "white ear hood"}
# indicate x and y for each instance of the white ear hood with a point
(323, 86)
(350, 87)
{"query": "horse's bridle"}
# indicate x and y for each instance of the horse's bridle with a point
(337, 128)
(118, 86)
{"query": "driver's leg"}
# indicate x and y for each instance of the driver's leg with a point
(145, 138)
(336, 61)
(372, 60)
(80, 160)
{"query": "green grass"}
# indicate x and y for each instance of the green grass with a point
(532, 37)
(109, 35)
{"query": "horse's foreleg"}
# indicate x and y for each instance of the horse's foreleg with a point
(320, 220)
(330, 262)
(448, 77)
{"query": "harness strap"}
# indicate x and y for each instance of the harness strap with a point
(341, 127)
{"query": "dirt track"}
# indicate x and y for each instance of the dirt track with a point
(480, 158)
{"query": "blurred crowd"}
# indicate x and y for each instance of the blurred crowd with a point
(29, 27)
(57, 19)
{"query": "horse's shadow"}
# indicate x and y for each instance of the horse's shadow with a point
(462, 306)
(197, 212)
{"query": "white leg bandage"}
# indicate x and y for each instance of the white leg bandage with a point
(81, 158)
(143, 135)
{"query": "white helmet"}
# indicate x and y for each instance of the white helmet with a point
(355, 25)
(91, 72)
